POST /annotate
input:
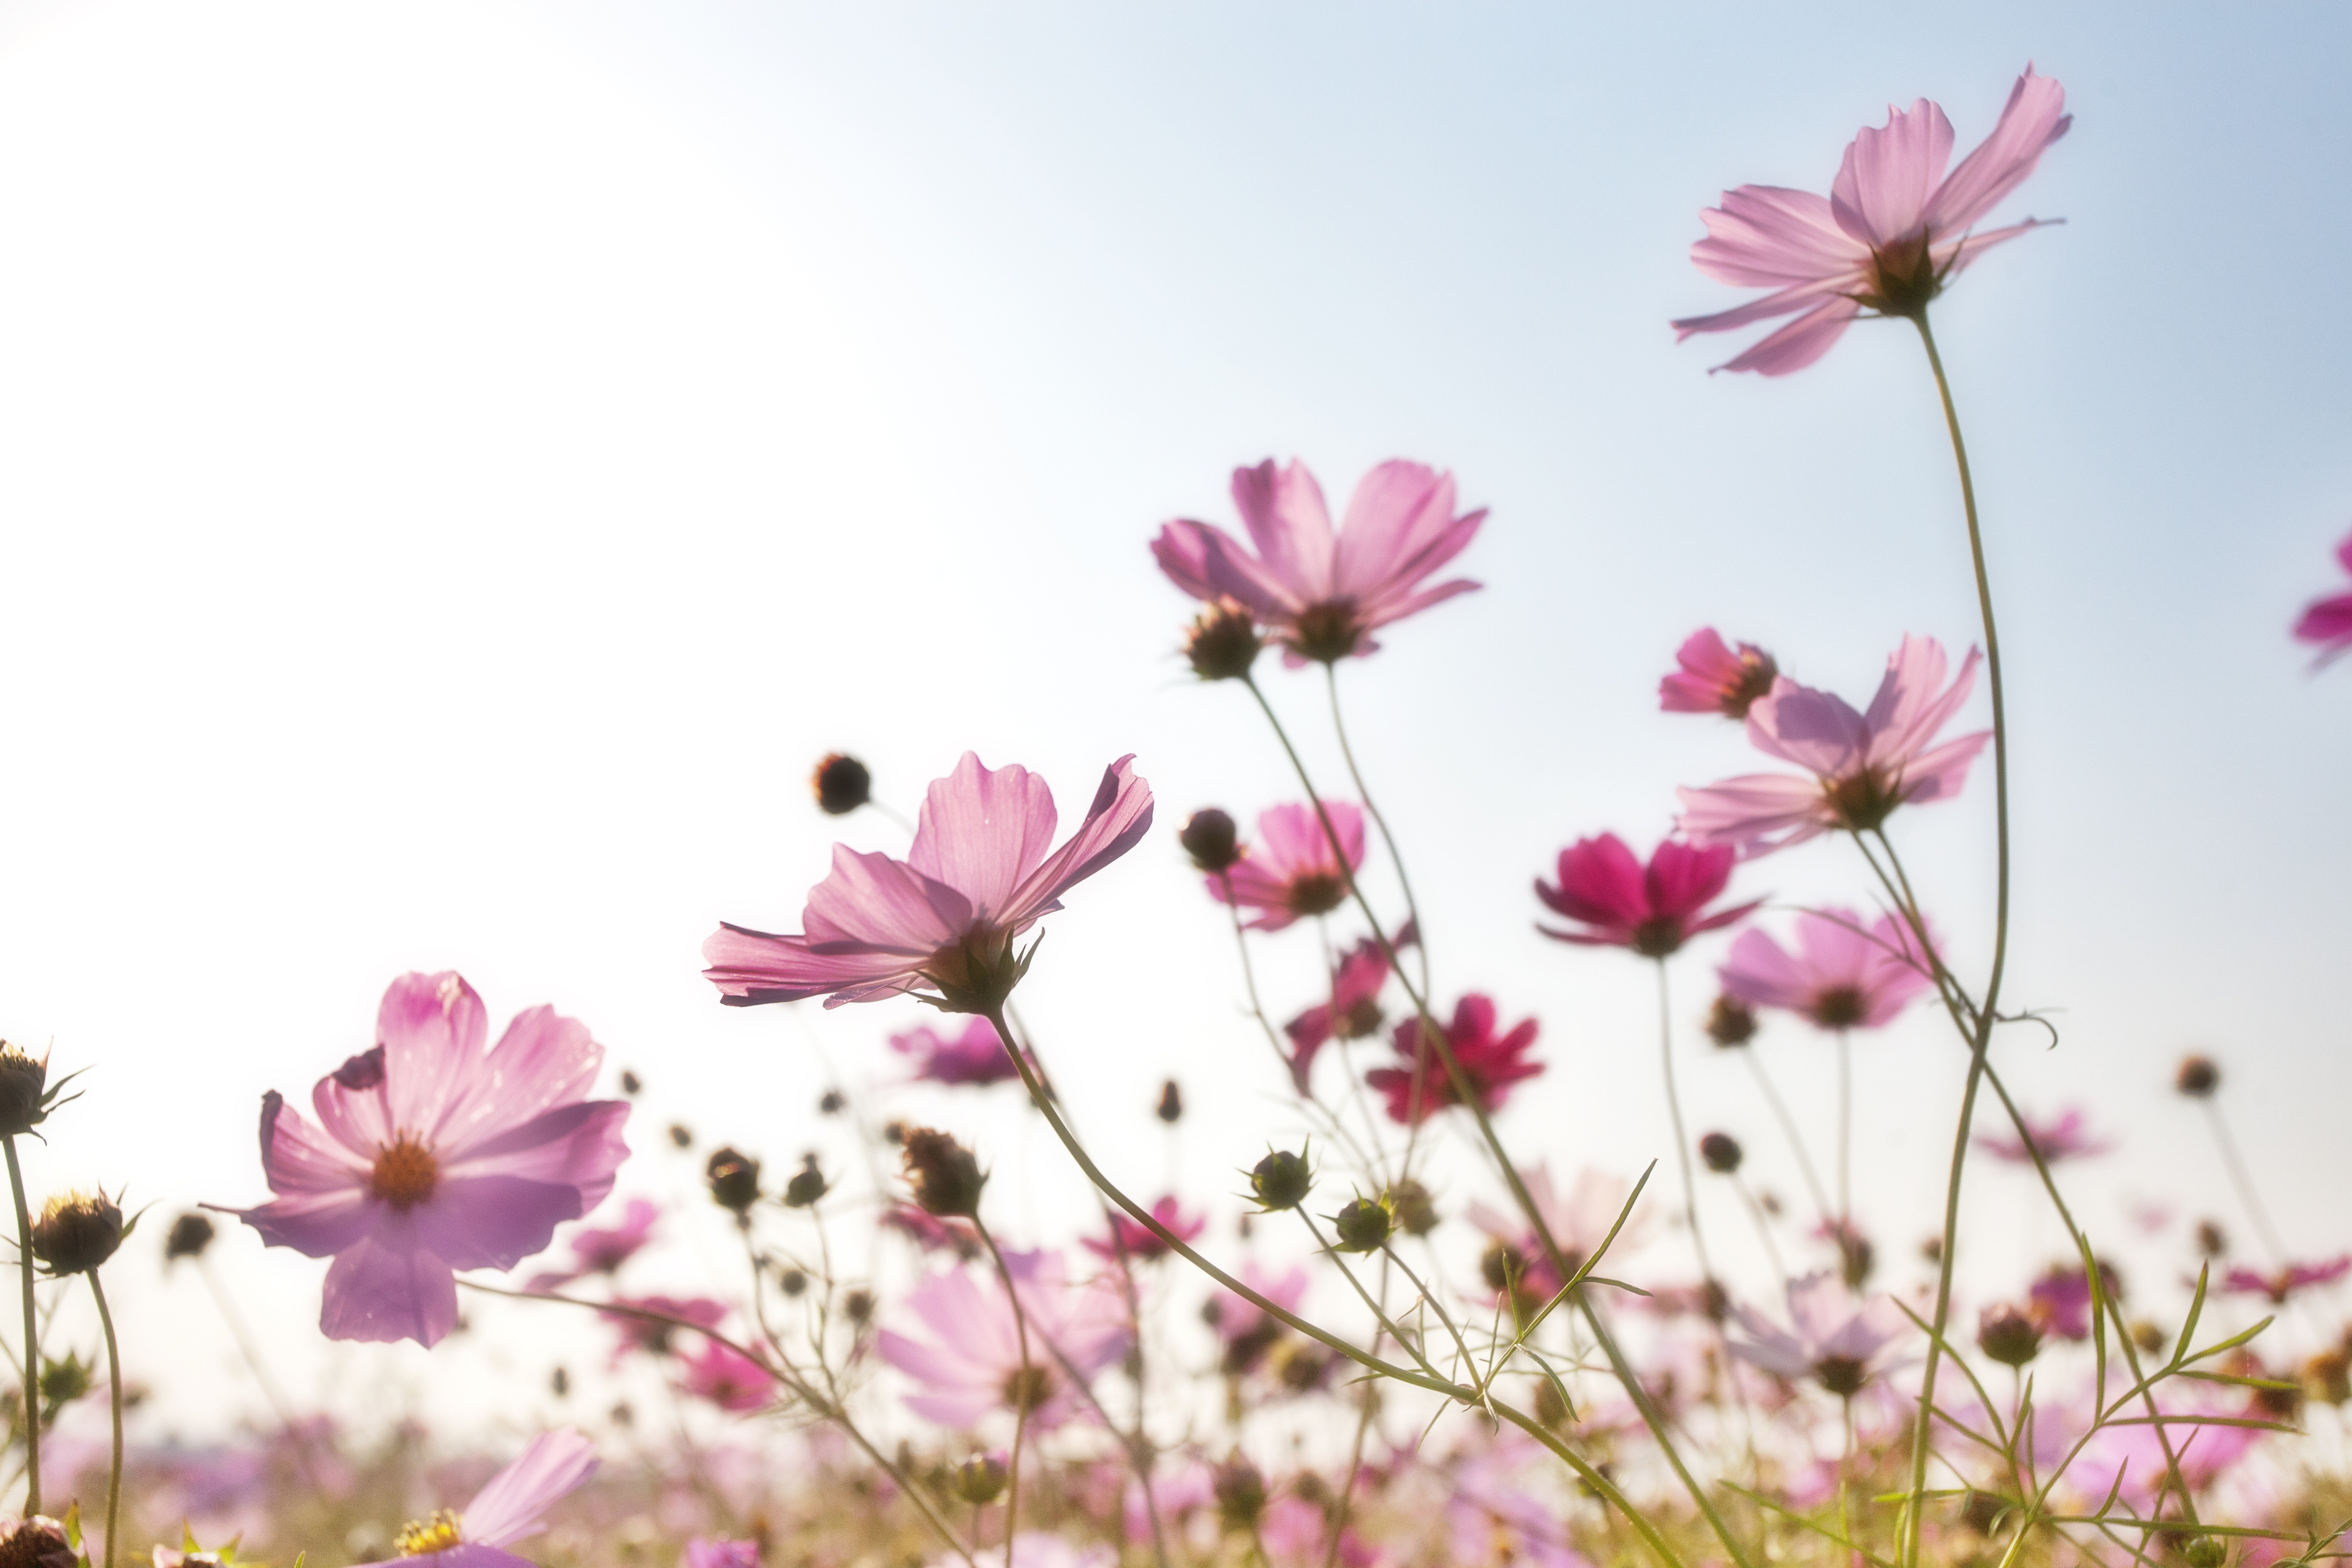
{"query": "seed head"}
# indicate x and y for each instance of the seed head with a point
(1415, 1210)
(1240, 1491)
(1213, 841)
(1170, 1108)
(734, 1181)
(980, 1481)
(1223, 642)
(842, 784)
(806, 1187)
(1730, 1022)
(77, 1232)
(945, 1175)
(39, 1542)
(1281, 1180)
(2009, 1335)
(24, 1090)
(190, 1235)
(1363, 1226)
(2198, 1078)
(1721, 1152)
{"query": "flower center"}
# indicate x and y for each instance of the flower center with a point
(1028, 1387)
(405, 1174)
(977, 973)
(1757, 673)
(1316, 893)
(1841, 1374)
(1839, 1007)
(419, 1536)
(1326, 631)
(1657, 938)
(1362, 1018)
(1863, 800)
(1906, 275)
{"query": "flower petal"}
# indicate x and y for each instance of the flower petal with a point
(1882, 187)
(1799, 343)
(1289, 524)
(751, 967)
(388, 1286)
(1767, 237)
(1115, 821)
(982, 831)
(2034, 117)
(509, 1504)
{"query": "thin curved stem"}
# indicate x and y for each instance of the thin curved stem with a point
(115, 1406)
(1028, 1390)
(32, 1332)
(1675, 1111)
(1388, 839)
(1789, 1128)
(1845, 1131)
(2243, 1179)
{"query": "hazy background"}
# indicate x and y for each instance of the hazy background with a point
(461, 464)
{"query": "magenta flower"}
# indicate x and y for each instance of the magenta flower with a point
(660, 1339)
(507, 1510)
(976, 1056)
(1837, 1338)
(727, 1378)
(602, 1250)
(1323, 593)
(1652, 910)
(942, 921)
(1493, 1063)
(2067, 1138)
(2059, 1300)
(708, 1551)
(1893, 230)
(1134, 1243)
(1863, 764)
(2294, 1277)
(2328, 622)
(432, 1154)
(1353, 1011)
(971, 1367)
(1290, 872)
(1843, 974)
(1715, 679)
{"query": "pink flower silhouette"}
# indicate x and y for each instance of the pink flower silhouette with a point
(1837, 1338)
(1579, 1221)
(2328, 622)
(1323, 593)
(1245, 1326)
(1715, 679)
(660, 1339)
(1137, 1244)
(507, 1510)
(2294, 1277)
(971, 1367)
(2067, 1138)
(1893, 230)
(1353, 1010)
(1863, 764)
(1652, 910)
(1843, 974)
(1290, 872)
(943, 919)
(1492, 1063)
(726, 1378)
(602, 1250)
(2059, 1300)
(432, 1154)
(976, 1056)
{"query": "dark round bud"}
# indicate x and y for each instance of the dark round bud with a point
(1170, 1108)
(1240, 1492)
(2204, 1553)
(559, 1384)
(806, 1187)
(2009, 1335)
(792, 1281)
(734, 1181)
(1363, 1226)
(1281, 1180)
(77, 1232)
(39, 1542)
(1500, 1267)
(1415, 1210)
(842, 784)
(1213, 841)
(1932, 1249)
(1842, 1375)
(24, 1088)
(945, 1177)
(2149, 1339)
(2198, 1078)
(1721, 1153)
(830, 1102)
(631, 1084)
(893, 1133)
(1730, 1022)
(859, 1305)
(63, 1381)
(980, 1481)
(622, 1414)
(190, 1235)
(2211, 1239)
(1222, 643)
(1981, 1511)
(681, 1136)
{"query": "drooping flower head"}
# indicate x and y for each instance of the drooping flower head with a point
(1493, 1062)
(1716, 677)
(1290, 872)
(1130, 1241)
(433, 1154)
(1653, 910)
(2285, 1282)
(1324, 592)
(2328, 622)
(972, 1367)
(508, 1509)
(2066, 1137)
(974, 1056)
(941, 921)
(1843, 975)
(1892, 232)
(1836, 1339)
(1864, 766)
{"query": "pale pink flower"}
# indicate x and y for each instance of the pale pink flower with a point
(1132, 1242)
(941, 921)
(602, 1250)
(2279, 1286)
(974, 1055)
(657, 1337)
(1580, 1220)
(432, 1154)
(1714, 677)
(2328, 622)
(971, 1366)
(726, 1378)
(1290, 872)
(2068, 1137)
(2059, 1300)
(1653, 910)
(1296, 1533)
(707, 1551)
(1893, 230)
(1353, 1010)
(507, 1510)
(1324, 592)
(1864, 766)
(1836, 1336)
(1843, 975)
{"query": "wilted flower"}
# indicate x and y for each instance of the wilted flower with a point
(2067, 1138)
(1492, 1063)
(2328, 622)
(1715, 679)
(1843, 976)
(974, 1055)
(972, 1365)
(433, 1154)
(1838, 1339)
(2286, 1281)
(1653, 910)
(1133, 1242)
(506, 1510)
(1291, 871)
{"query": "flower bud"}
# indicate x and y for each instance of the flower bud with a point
(2198, 1078)
(2211, 1239)
(1170, 1108)
(1363, 1226)
(1222, 643)
(77, 1232)
(1415, 1210)
(980, 1481)
(2328, 1377)
(842, 784)
(1721, 1152)
(190, 1235)
(857, 1305)
(945, 1177)
(734, 1181)
(1552, 1409)
(1211, 840)
(631, 1084)
(681, 1136)
(806, 1187)
(2009, 1335)
(1240, 1492)
(1730, 1022)
(62, 1383)
(2204, 1553)
(1281, 1180)
(24, 1090)
(39, 1542)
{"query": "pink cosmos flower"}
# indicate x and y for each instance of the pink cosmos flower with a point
(1893, 230)
(1138, 1245)
(1843, 976)
(942, 921)
(726, 1378)
(971, 1367)
(707, 1551)
(1863, 764)
(1290, 872)
(1493, 1063)
(2294, 1277)
(2328, 622)
(507, 1510)
(2059, 1300)
(1715, 679)
(2067, 1138)
(1353, 1011)
(1652, 910)
(1579, 1220)
(602, 1250)
(975, 1057)
(1323, 593)
(432, 1154)
(1837, 1338)
(1245, 1328)
(660, 1339)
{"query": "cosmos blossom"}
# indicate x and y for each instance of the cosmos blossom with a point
(1493, 1063)
(1579, 1219)
(2067, 1137)
(1246, 1329)
(1843, 975)
(1653, 910)
(971, 1367)
(975, 1056)
(2059, 1300)
(712, 1551)
(660, 1339)
(1325, 592)
(1354, 1009)
(602, 1250)
(1290, 872)
(1133, 1242)
(2328, 622)
(1892, 232)
(1836, 1336)
(2286, 1281)
(433, 1154)
(726, 1378)
(941, 921)
(1863, 764)
(508, 1508)
(1714, 677)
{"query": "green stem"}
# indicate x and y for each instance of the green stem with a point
(32, 1332)
(1028, 1391)
(1388, 839)
(1675, 1111)
(1789, 1129)
(2243, 1179)
(114, 1401)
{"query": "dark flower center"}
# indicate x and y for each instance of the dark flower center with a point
(1362, 1018)
(1839, 1007)
(1906, 275)
(1841, 1374)
(1863, 801)
(1028, 1387)
(1316, 893)
(1657, 938)
(1757, 673)
(405, 1172)
(1326, 631)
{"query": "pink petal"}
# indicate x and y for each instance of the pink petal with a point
(872, 904)
(1289, 524)
(1745, 812)
(1385, 611)
(1601, 883)
(297, 1158)
(389, 1288)
(509, 1506)
(1818, 730)
(1398, 508)
(2034, 118)
(1883, 186)
(317, 1225)
(1811, 295)
(432, 1028)
(1115, 821)
(1208, 563)
(1763, 973)
(543, 1060)
(1939, 774)
(1681, 878)
(2327, 621)
(1766, 236)
(1799, 343)
(982, 831)
(751, 967)
(492, 1222)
